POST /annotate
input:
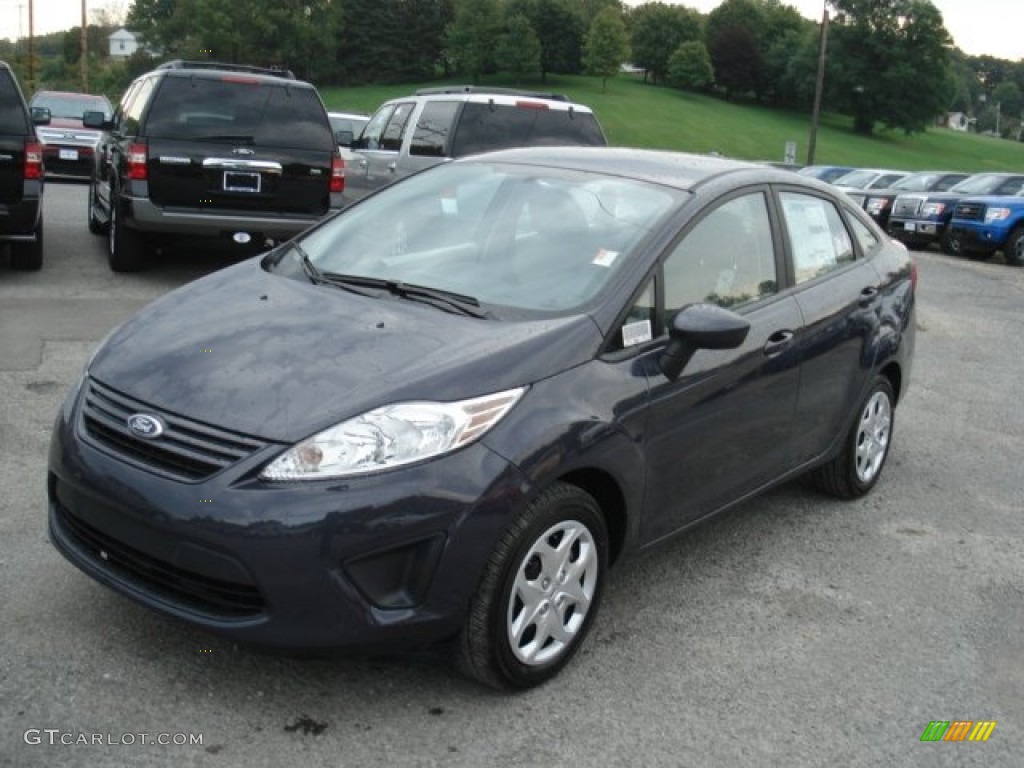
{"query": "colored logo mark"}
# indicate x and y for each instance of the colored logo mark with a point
(958, 730)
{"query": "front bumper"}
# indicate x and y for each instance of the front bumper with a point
(384, 561)
(68, 160)
(978, 237)
(916, 230)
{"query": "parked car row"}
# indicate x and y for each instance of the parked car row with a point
(963, 214)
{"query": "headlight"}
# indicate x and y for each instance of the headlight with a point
(877, 204)
(932, 209)
(996, 214)
(391, 436)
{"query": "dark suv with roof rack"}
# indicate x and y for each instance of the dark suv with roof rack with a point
(21, 174)
(227, 153)
(434, 125)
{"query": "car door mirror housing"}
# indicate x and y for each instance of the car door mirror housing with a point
(95, 119)
(344, 138)
(700, 326)
(40, 116)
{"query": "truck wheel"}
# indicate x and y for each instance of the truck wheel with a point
(1014, 251)
(951, 243)
(28, 257)
(125, 247)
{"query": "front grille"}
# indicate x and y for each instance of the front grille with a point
(187, 450)
(969, 211)
(906, 206)
(193, 591)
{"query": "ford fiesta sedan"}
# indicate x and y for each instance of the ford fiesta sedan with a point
(443, 414)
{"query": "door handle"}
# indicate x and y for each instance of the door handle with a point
(392, 167)
(362, 163)
(778, 342)
(868, 296)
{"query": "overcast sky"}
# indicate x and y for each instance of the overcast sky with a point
(977, 26)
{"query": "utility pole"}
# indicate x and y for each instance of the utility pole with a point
(819, 86)
(85, 51)
(31, 50)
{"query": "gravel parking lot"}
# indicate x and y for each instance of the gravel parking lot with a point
(793, 631)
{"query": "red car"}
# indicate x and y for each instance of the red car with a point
(68, 147)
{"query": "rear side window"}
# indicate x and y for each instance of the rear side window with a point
(392, 136)
(432, 128)
(12, 109)
(817, 236)
(485, 127)
(232, 109)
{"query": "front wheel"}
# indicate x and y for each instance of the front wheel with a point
(859, 464)
(1014, 251)
(951, 243)
(539, 594)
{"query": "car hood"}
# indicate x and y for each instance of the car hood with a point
(64, 122)
(1015, 200)
(281, 359)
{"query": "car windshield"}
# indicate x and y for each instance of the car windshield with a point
(918, 182)
(520, 240)
(982, 183)
(856, 179)
(72, 107)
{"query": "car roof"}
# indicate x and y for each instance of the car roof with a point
(501, 97)
(676, 169)
(349, 115)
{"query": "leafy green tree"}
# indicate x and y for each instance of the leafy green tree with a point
(518, 51)
(888, 63)
(657, 32)
(734, 45)
(559, 26)
(472, 36)
(690, 67)
(606, 46)
(1008, 96)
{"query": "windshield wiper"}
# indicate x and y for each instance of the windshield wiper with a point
(446, 300)
(320, 278)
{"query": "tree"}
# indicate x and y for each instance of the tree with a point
(657, 32)
(888, 63)
(735, 49)
(606, 46)
(1008, 96)
(690, 67)
(518, 51)
(560, 28)
(471, 37)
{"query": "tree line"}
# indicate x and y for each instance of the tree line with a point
(890, 63)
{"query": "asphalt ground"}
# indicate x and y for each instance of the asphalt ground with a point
(793, 631)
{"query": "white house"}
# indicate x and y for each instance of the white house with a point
(123, 43)
(958, 121)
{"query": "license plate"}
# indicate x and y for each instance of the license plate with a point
(908, 225)
(241, 182)
(67, 154)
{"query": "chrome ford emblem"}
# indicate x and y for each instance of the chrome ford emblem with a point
(144, 425)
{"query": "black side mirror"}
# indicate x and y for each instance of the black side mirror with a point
(344, 138)
(700, 326)
(96, 120)
(40, 115)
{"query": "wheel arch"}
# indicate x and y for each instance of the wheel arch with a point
(894, 374)
(609, 496)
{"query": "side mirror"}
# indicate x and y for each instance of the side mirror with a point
(700, 326)
(40, 115)
(96, 120)
(344, 138)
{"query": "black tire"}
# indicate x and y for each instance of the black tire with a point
(856, 469)
(951, 243)
(96, 225)
(125, 247)
(485, 650)
(28, 257)
(1014, 250)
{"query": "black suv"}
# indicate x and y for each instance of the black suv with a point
(222, 152)
(21, 174)
(409, 134)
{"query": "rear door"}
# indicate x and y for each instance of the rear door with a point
(14, 129)
(239, 143)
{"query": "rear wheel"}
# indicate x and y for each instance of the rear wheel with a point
(96, 225)
(125, 246)
(539, 593)
(859, 464)
(1014, 251)
(28, 257)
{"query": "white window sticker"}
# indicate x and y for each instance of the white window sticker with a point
(605, 258)
(636, 333)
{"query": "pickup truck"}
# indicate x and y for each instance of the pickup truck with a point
(922, 218)
(984, 225)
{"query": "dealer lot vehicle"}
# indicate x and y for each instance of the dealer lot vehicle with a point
(445, 412)
(858, 183)
(226, 153)
(922, 218)
(435, 125)
(827, 173)
(21, 175)
(68, 146)
(878, 202)
(983, 225)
